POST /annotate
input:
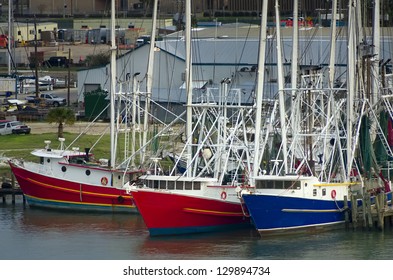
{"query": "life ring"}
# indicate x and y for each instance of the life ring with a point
(333, 194)
(223, 195)
(104, 181)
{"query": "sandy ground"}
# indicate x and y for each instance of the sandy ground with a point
(77, 127)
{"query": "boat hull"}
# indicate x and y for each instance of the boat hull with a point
(273, 214)
(168, 213)
(50, 192)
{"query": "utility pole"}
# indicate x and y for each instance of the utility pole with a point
(69, 78)
(36, 59)
(10, 39)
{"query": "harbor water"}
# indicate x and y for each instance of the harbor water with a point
(38, 234)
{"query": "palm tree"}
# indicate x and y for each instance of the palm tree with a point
(61, 116)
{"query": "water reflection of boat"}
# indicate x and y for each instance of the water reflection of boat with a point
(210, 245)
(42, 220)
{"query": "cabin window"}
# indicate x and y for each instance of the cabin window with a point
(41, 160)
(102, 26)
(19, 33)
(171, 185)
(197, 186)
(48, 160)
(314, 192)
(323, 192)
(118, 177)
(260, 184)
(278, 184)
(88, 172)
(288, 185)
(162, 185)
(292, 185)
(188, 185)
(179, 185)
(63, 168)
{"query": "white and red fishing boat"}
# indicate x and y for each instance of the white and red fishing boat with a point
(66, 178)
(198, 193)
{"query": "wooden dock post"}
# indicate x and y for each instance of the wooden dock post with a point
(367, 210)
(13, 187)
(8, 187)
(354, 210)
(3, 195)
(346, 215)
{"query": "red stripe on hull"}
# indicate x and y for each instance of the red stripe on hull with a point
(162, 210)
(49, 188)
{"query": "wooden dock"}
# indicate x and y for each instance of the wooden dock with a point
(10, 188)
(373, 213)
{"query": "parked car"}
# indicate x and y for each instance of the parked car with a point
(50, 99)
(57, 61)
(20, 128)
(13, 127)
(5, 127)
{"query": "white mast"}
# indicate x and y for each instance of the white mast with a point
(294, 66)
(332, 60)
(376, 51)
(260, 82)
(351, 80)
(295, 121)
(10, 36)
(149, 80)
(188, 81)
(113, 86)
(280, 80)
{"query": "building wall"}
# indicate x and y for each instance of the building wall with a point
(144, 25)
(68, 7)
(24, 31)
(170, 7)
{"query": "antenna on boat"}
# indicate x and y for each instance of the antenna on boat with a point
(47, 143)
(61, 140)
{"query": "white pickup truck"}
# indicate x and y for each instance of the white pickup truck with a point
(50, 99)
